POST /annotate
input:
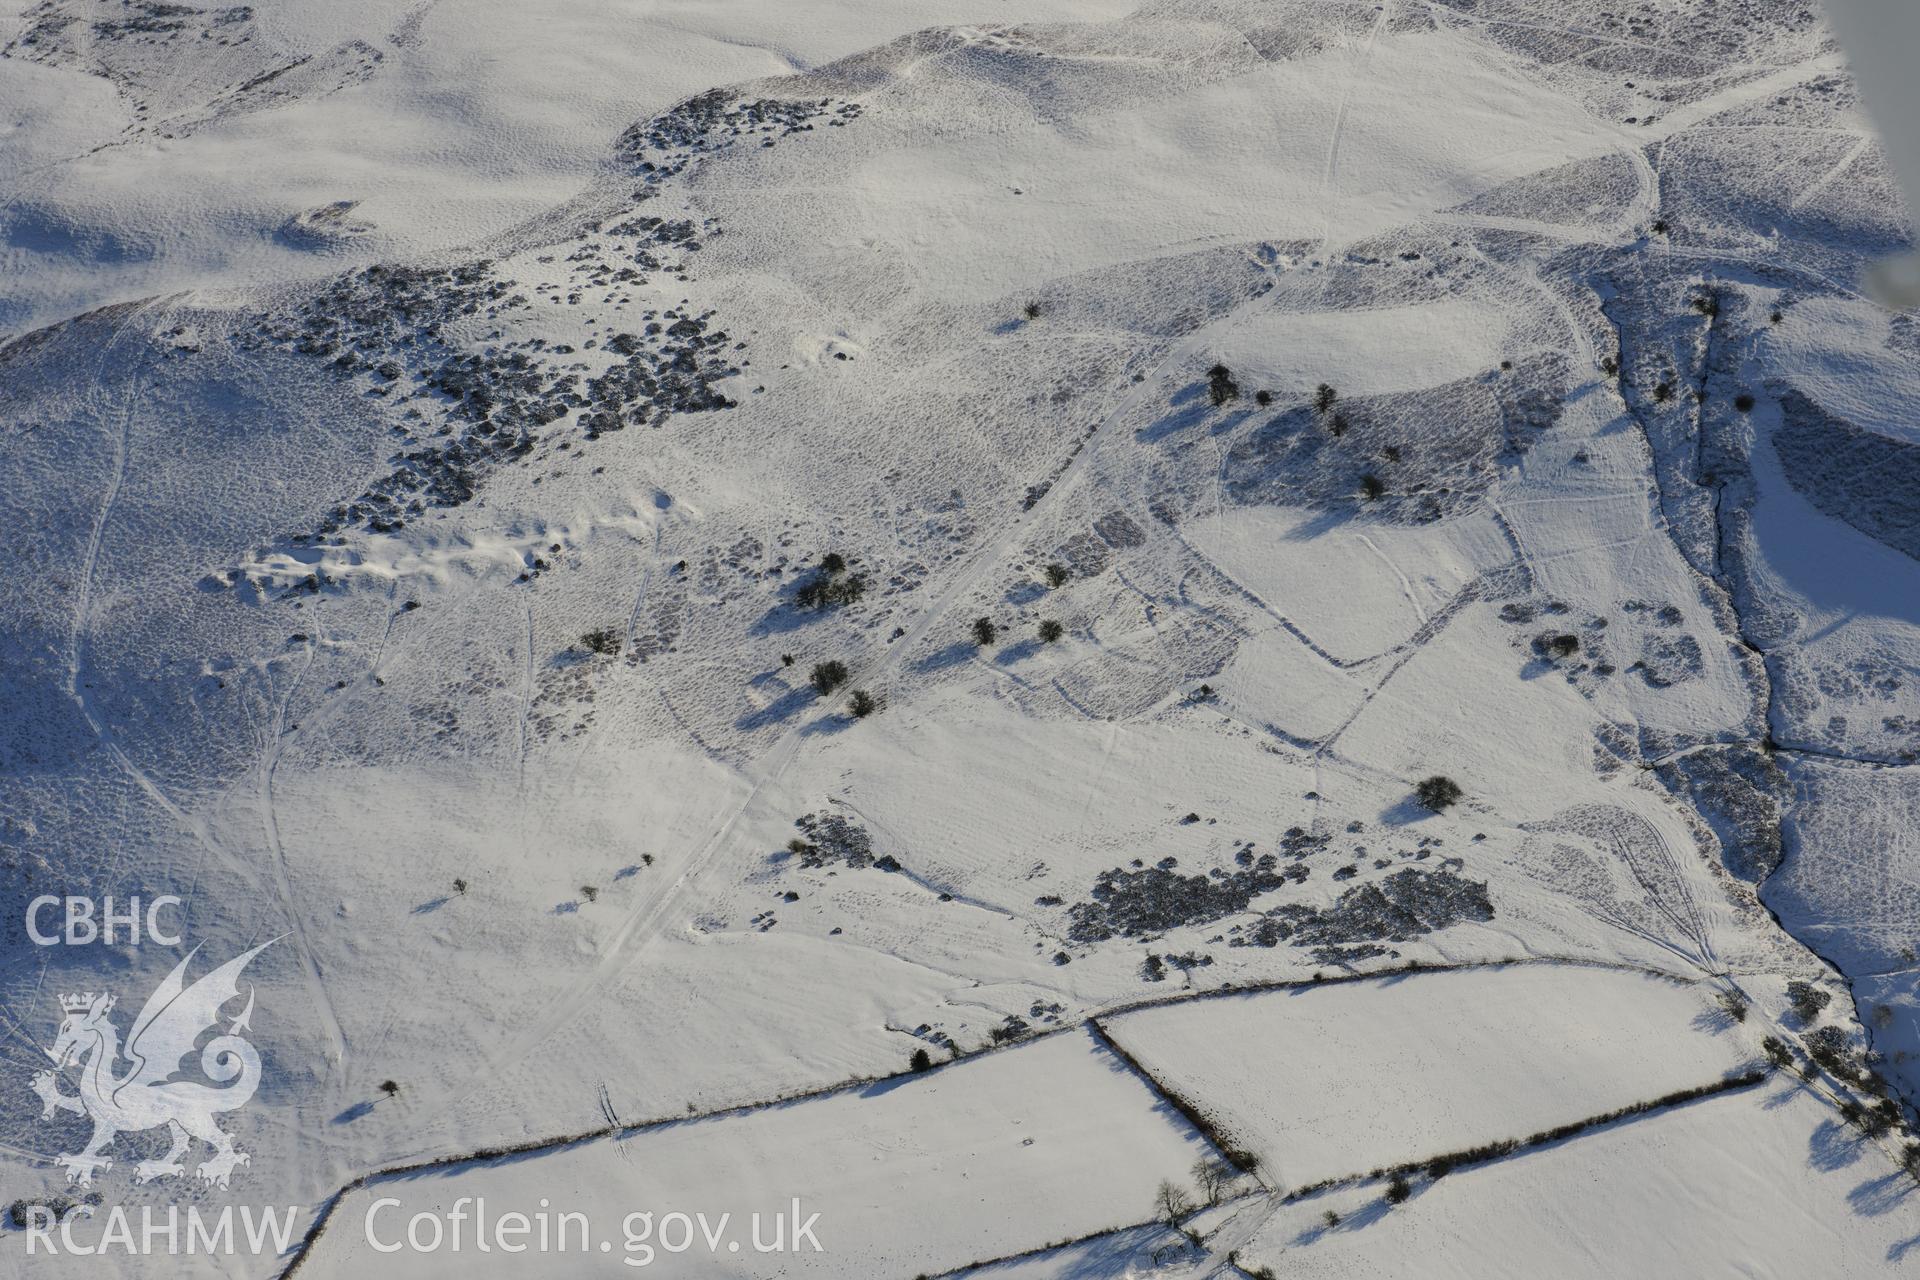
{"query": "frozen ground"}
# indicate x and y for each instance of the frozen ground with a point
(1751, 1181)
(1046, 1141)
(441, 444)
(1398, 1069)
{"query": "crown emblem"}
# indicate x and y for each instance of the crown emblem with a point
(170, 1027)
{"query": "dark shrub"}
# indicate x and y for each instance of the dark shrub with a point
(1398, 1190)
(921, 1060)
(1439, 792)
(984, 631)
(863, 704)
(1564, 645)
(604, 641)
(830, 588)
(1220, 385)
(1057, 575)
(1323, 398)
(828, 676)
(1777, 1052)
(1807, 999)
(1051, 631)
(1828, 1047)
(1372, 487)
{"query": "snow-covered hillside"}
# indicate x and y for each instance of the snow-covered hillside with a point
(958, 615)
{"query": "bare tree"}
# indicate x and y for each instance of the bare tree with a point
(1173, 1203)
(1213, 1177)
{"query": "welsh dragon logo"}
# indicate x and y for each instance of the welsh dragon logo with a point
(147, 1096)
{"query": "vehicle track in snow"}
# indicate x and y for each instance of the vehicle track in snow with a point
(1330, 170)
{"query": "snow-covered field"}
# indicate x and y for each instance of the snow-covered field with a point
(1333, 582)
(1752, 1184)
(1323, 1083)
(1047, 1141)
